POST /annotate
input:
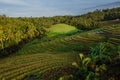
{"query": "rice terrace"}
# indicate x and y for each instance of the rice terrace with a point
(64, 47)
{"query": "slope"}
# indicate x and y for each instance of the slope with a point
(58, 63)
(17, 67)
(78, 42)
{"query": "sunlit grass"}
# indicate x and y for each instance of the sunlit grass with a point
(61, 29)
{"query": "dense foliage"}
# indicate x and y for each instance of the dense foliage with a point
(14, 32)
(86, 21)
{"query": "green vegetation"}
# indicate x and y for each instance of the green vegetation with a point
(78, 42)
(14, 33)
(85, 47)
(61, 29)
(17, 67)
(96, 66)
(22, 30)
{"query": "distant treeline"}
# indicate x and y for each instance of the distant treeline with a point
(14, 31)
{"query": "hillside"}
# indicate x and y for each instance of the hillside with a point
(78, 42)
(55, 58)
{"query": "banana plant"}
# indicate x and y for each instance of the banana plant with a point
(84, 72)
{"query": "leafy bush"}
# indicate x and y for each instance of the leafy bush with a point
(97, 65)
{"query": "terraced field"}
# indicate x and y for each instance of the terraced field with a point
(76, 42)
(54, 57)
(17, 67)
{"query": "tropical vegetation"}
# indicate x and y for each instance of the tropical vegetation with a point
(83, 47)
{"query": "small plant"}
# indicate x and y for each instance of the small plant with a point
(98, 50)
(83, 72)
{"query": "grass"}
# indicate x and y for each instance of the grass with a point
(17, 67)
(61, 29)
